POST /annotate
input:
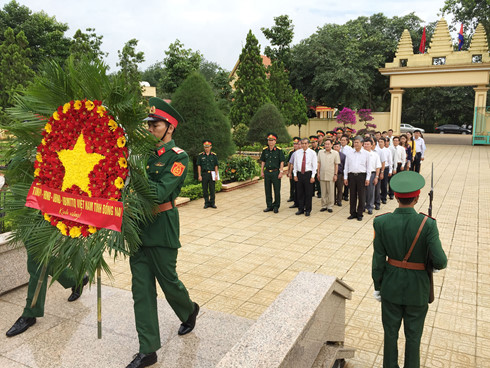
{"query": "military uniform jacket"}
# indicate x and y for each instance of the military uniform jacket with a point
(393, 236)
(207, 162)
(272, 158)
(166, 170)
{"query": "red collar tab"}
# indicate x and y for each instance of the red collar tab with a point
(157, 113)
(407, 195)
(161, 151)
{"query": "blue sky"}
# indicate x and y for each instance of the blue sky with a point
(216, 28)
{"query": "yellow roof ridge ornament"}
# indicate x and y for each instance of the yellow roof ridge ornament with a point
(405, 46)
(441, 42)
(479, 41)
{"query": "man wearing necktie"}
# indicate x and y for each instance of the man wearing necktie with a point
(304, 171)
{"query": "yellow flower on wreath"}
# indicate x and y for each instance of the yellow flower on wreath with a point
(48, 128)
(66, 107)
(47, 217)
(37, 172)
(56, 116)
(119, 183)
(112, 125)
(62, 228)
(39, 157)
(121, 141)
(43, 142)
(100, 110)
(92, 229)
(123, 163)
(75, 232)
(89, 105)
(77, 105)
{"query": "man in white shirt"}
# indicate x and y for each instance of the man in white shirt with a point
(304, 171)
(390, 136)
(419, 150)
(356, 176)
(399, 156)
(382, 157)
(374, 168)
(328, 166)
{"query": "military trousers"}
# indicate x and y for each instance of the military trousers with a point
(66, 279)
(413, 317)
(271, 180)
(208, 188)
(148, 264)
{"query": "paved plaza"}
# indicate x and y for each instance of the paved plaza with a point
(237, 259)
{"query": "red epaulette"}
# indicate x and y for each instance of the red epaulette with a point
(382, 214)
(427, 215)
(177, 150)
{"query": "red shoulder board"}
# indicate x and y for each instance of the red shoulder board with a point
(427, 215)
(177, 150)
(383, 214)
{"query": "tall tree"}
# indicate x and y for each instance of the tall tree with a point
(153, 75)
(299, 117)
(251, 86)
(15, 71)
(219, 80)
(178, 63)
(87, 45)
(194, 99)
(469, 12)
(280, 35)
(268, 119)
(129, 59)
(46, 36)
(281, 92)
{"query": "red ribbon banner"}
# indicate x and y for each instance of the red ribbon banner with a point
(89, 211)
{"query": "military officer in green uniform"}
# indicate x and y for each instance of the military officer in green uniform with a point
(66, 279)
(402, 241)
(321, 138)
(207, 164)
(315, 147)
(271, 168)
(157, 257)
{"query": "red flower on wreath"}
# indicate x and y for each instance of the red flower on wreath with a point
(83, 151)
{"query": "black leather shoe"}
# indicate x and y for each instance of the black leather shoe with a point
(213, 206)
(329, 210)
(319, 195)
(294, 206)
(351, 217)
(77, 291)
(21, 325)
(299, 212)
(339, 204)
(359, 218)
(268, 210)
(323, 210)
(346, 198)
(391, 198)
(370, 212)
(206, 206)
(384, 202)
(376, 208)
(188, 325)
(307, 213)
(143, 360)
(290, 199)
(276, 210)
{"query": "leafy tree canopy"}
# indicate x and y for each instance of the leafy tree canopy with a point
(251, 86)
(267, 119)
(87, 45)
(129, 59)
(178, 64)
(45, 35)
(280, 35)
(194, 99)
(469, 12)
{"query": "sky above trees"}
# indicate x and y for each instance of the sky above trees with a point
(217, 28)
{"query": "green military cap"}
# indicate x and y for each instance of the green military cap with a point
(296, 139)
(163, 111)
(320, 132)
(271, 136)
(313, 138)
(407, 184)
(207, 143)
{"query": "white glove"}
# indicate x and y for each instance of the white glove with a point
(435, 270)
(377, 295)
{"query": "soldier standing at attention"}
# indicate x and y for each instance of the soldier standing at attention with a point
(157, 256)
(321, 137)
(271, 168)
(402, 241)
(207, 163)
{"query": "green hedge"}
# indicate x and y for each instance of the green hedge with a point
(239, 168)
(194, 191)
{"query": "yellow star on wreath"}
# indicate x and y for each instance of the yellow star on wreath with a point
(78, 164)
